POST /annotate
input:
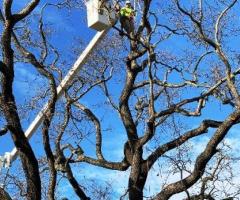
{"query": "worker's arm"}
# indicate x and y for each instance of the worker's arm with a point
(134, 12)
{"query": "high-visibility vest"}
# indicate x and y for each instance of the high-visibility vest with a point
(126, 12)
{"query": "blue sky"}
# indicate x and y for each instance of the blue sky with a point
(70, 27)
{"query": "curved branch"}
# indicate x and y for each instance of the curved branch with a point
(49, 115)
(121, 166)
(202, 159)
(219, 20)
(25, 11)
(75, 184)
(61, 162)
(124, 107)
(28, 159)
(198, 25)
(97, 124)
(203, 128)
(176, 107)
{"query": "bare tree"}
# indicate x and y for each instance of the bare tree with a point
(8, 104)
(177, 65)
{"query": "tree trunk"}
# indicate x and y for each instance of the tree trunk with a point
(137, 177)
(136, 189)
(8, 104)
(4, 195)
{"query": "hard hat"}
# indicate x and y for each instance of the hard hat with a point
(127, 2)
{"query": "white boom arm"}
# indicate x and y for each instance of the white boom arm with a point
(9, 157)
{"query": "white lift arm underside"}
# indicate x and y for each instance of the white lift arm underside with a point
(9, 157)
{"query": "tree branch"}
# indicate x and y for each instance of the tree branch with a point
(180, 140)
(3, 131)
(97, 124)
(25, 11)
(202, 159)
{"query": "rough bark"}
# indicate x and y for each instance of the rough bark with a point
(28, 159)
(4, 195)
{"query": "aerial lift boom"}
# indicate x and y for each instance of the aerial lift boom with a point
(100, 22)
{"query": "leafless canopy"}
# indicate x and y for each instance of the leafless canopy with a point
(172, 81)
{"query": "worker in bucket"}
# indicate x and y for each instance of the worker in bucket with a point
(127, 14)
